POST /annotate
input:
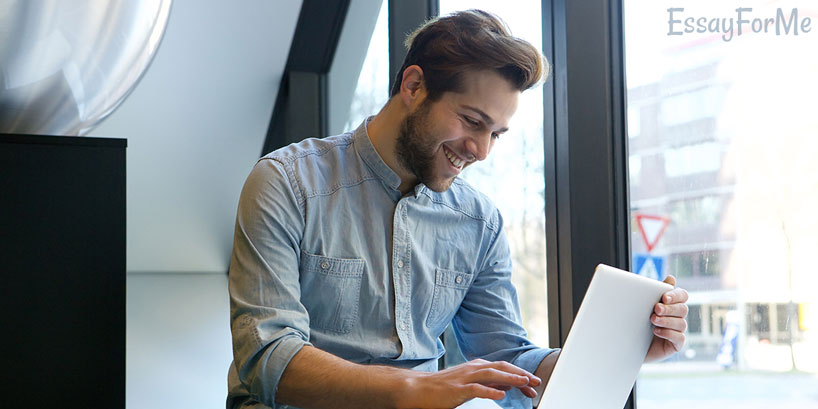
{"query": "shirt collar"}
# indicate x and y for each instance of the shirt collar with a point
(367, 152)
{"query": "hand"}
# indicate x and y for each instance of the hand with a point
(475, 379)
(669, 320)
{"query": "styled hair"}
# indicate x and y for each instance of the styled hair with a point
(473, 40)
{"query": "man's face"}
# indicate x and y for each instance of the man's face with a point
(439, 139)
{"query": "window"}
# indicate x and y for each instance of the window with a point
(693, 159)
(359, 77)
(372, 89)
(695, 264)
(512, 176)
(635, 169)
(634, 124)
(731, 120)
(694, 320)
(690, 106)
(706, 210)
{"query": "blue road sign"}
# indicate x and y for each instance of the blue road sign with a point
(649, 265)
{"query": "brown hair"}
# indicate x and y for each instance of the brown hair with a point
(471, 40)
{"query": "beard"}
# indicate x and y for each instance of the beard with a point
(416, 148)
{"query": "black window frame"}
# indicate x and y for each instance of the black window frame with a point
(586, 152)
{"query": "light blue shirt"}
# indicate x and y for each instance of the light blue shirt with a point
(328, 252)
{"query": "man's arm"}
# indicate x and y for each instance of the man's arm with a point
(544, 372)
(317, 379)
(488, 323)
(268, 323)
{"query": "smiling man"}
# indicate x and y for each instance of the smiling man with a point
(353, 253)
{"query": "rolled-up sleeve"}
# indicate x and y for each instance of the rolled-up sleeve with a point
(269, 324)
(488, 324)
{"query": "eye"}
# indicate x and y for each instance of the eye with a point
(495, 135)
(472, 122)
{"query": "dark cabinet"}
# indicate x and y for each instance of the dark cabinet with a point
(62, 271)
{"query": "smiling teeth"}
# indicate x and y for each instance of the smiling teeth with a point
(457, 162)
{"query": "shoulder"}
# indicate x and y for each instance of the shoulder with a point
(464, 198)
(310, 150)
(320, 166)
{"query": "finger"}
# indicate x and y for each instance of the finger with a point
(673, 323)
(492, 376)
(675, 296)
(504, 366)
(670, 280)
(671, 310)
(528, 391)
(476, 390)
(676, 338)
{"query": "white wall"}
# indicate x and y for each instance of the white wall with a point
(178, 341)
(195, 125)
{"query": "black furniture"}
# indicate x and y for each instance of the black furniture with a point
(62, 271)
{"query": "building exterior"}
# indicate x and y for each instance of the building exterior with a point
(722, 145)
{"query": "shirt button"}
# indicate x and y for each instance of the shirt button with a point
(403, 327)
(324, 265)
(459, 279)
(400, 263)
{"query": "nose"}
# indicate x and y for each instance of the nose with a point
(479, 145)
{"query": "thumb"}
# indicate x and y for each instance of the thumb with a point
(670, 280)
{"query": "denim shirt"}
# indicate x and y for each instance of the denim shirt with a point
(328, 252)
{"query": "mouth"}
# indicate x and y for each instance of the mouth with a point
(457, 162)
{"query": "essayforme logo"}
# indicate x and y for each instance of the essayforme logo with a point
(743, 22)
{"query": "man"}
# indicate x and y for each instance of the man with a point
(353, 253)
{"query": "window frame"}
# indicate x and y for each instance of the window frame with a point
(586, 152)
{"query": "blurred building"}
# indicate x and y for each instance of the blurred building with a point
(723, 146)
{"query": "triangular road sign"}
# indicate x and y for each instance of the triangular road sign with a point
(651, 227)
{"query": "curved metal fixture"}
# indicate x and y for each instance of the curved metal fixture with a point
(66, 65)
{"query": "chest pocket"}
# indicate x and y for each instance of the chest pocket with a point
(331, 290)
(450, 288)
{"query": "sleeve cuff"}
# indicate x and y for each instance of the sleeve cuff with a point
(530, 360)
(280, 357)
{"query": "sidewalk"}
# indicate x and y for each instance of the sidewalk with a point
(705, 386)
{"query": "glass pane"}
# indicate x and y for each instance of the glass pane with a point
(512, 176)
(371, 87)
(723, 146)
(372, 90)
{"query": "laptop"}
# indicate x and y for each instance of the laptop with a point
(607, 342)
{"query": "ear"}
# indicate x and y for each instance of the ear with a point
(412, 90)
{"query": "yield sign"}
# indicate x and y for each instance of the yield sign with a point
(651, 227)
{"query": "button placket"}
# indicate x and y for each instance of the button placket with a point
(397, 274)
(406, 275)
(401, 276)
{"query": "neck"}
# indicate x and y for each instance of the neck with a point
(383, 132)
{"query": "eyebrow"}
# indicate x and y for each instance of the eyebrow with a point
(487, 119)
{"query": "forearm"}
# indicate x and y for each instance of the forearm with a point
(544, 372)
(317, 379)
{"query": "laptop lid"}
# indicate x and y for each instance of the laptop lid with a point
(607, 343)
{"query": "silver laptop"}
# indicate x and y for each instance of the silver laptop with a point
(607, 342)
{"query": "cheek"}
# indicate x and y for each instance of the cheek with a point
(454, 130)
